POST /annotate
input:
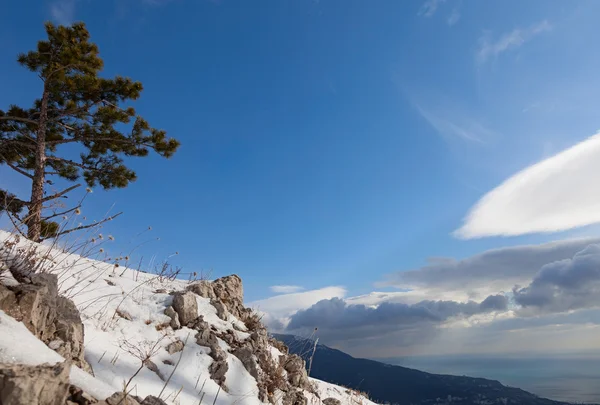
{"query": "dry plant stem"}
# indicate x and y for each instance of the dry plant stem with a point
(133, 376)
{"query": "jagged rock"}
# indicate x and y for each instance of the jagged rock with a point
(170, 312)
(226, 290)
(77, 396)
(34, 385)
(279, 345)
(294, 397)
(186, 307)
(152, 400)
(120, 398)
(203, 288)
(248, 360)
(218, 368)
(198, 323)
(175, 346)
(8, 302)
(229, 291)
(296, 371)
(206, 338)
(222, 311)
(69, 329)
(48, 316)
(332, 401)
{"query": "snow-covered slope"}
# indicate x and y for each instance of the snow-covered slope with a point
(123, 313)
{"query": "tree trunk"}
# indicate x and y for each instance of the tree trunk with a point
(34, 217)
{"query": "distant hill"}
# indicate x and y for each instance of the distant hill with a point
(404, 386)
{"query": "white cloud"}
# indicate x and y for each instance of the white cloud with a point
(492, 48)
(63, 11)
(430, 7)
(462, 128)
(437, 312)
(453, 17)
(286, 289)
(279, 308)
(556, 194)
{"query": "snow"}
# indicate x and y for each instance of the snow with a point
(99, 289)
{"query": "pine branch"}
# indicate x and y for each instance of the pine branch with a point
(86, 226)
(16, 168)
(11, 118)
(71, 162)
(60, 194)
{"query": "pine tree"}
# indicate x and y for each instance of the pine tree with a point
(79, 107)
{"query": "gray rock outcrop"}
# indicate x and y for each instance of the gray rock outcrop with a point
(34, 385)
(53, 319)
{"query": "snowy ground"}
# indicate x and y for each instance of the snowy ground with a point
(101, 290)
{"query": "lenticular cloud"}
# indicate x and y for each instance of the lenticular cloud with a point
(555, 194)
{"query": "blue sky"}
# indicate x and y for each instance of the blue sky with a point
(328, 143)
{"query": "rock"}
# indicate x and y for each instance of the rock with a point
(332, 401)
(69, 328)
(37, 304)
(229, 291)
(123, 314)
(77, 396)
(8, 302)
(175, 346)
(168, 362)
(297, 377)
(34, 385)
(152, 400)
(56, 344)
(279, 345)
(222, 311)
(48, 316)
(294, 397)
(248, 360)
(206, 337)
(203, 288)
(186, 307)
(218, 368)
(120, 398)
(170, 312)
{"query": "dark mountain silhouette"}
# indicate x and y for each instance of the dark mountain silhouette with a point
(388, 384)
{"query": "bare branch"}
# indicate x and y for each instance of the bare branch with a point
(10, 118)
(57, 195)
(87, 226)
(62, 213)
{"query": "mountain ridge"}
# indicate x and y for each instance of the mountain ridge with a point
(392, 384)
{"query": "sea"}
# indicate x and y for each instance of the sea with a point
(569, 378)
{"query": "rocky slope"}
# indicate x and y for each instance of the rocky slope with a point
(102, 330)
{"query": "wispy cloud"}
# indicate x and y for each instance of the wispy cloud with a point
(430, 7)
(556, 194)
(449, 128)
(286, 289)
(63, 11)
(489, 48)
(453, 17)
